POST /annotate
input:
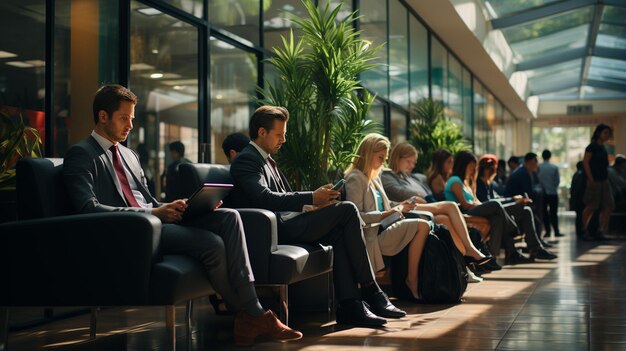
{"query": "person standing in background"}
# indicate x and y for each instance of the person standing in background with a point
(549, 178)
(598, 195)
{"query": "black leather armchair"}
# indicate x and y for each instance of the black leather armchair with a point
(51, 258)
(272, 264)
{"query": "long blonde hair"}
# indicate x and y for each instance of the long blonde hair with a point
(400, 151)
(371, 144)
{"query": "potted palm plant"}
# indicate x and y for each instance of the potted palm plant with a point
(16, 141)
(430, 131)
(318, 83)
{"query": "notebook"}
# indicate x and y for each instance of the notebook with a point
(206, 198)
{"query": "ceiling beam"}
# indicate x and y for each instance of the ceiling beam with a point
(606, 85)
(540, 12)
(555, 87)
(594, 28)
(551, 59)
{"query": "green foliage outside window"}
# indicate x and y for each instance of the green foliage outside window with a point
(16, 142)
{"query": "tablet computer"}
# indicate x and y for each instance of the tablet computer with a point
(206, 198)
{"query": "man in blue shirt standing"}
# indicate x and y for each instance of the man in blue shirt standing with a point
(549, 178)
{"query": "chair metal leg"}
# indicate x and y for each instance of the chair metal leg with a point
(4, 328)
(331, 297)
(188, 315)
(284, 303)
(170, 325)
(93, 323)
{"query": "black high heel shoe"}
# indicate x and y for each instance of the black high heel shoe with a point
(219, 305)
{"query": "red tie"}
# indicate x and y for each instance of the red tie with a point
(279, 180)
(121, 176)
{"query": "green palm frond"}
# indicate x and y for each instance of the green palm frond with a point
(318, 83)
(430, 131)
(17, 141)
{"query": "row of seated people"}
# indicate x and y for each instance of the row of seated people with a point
(102, 175)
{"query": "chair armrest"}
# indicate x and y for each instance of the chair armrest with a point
(90, 260)
(261, 229)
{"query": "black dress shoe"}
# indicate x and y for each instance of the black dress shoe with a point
(517, 258)
(492, 265)
(380, 305)
(354, 312)
(547, 244)
(559, 235)
(541, 254)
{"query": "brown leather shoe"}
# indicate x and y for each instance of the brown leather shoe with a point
(247, 328)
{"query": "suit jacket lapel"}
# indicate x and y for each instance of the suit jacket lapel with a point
(270, 178)
(132, 164)
(106, 161)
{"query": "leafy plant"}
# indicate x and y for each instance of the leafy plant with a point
(318, 83)
(17, 141)
(431, 131)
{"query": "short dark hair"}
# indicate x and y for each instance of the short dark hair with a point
(264, 117)
(109, 97)
(513, 159)
(178, 147)
(619, 160)
(530, 156)
(234, 141)
(461, 160)
(546, 154)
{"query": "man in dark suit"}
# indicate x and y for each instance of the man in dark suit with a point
(102, 175)
(259, 183)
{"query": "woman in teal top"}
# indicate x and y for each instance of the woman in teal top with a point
(461, 187)
(449, 195)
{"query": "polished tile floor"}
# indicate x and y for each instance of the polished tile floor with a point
(575, 303)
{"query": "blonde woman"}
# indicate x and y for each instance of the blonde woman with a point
(364, 189)
(400, 185)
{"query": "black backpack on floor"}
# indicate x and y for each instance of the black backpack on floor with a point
(442, 272)
(443, 276)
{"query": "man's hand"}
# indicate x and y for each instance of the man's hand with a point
(171, 212)
(404, 207)
(324, 195)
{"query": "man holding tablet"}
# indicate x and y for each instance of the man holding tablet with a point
(101, 175)
(259, 183)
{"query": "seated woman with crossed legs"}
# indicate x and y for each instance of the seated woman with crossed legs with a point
(399, 184)
(364, 189)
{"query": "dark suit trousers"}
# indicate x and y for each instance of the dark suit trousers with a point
(503, 227)
(216, 239)
(524, 217)
(550, 208)
(339, 226)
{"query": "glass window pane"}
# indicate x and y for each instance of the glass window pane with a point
(277, 21)
(467, 103)
(164, 75)
(439, 69)
(240, 17)
(22, 62)
(419, 60)
(398, 126)
(612, 36)
(613, 14)
(374, 27)
(501, 8)
(555, 77)
(608, 70)
(194, 7)
(552, 44)
(480, 118)
(454, 111)
(398, 54)
(549, 25)
(377, 115)
(233, 84)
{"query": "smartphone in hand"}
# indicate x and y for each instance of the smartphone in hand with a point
(339, 184)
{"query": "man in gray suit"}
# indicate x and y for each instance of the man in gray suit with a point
(259, 183)
(102, 175)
